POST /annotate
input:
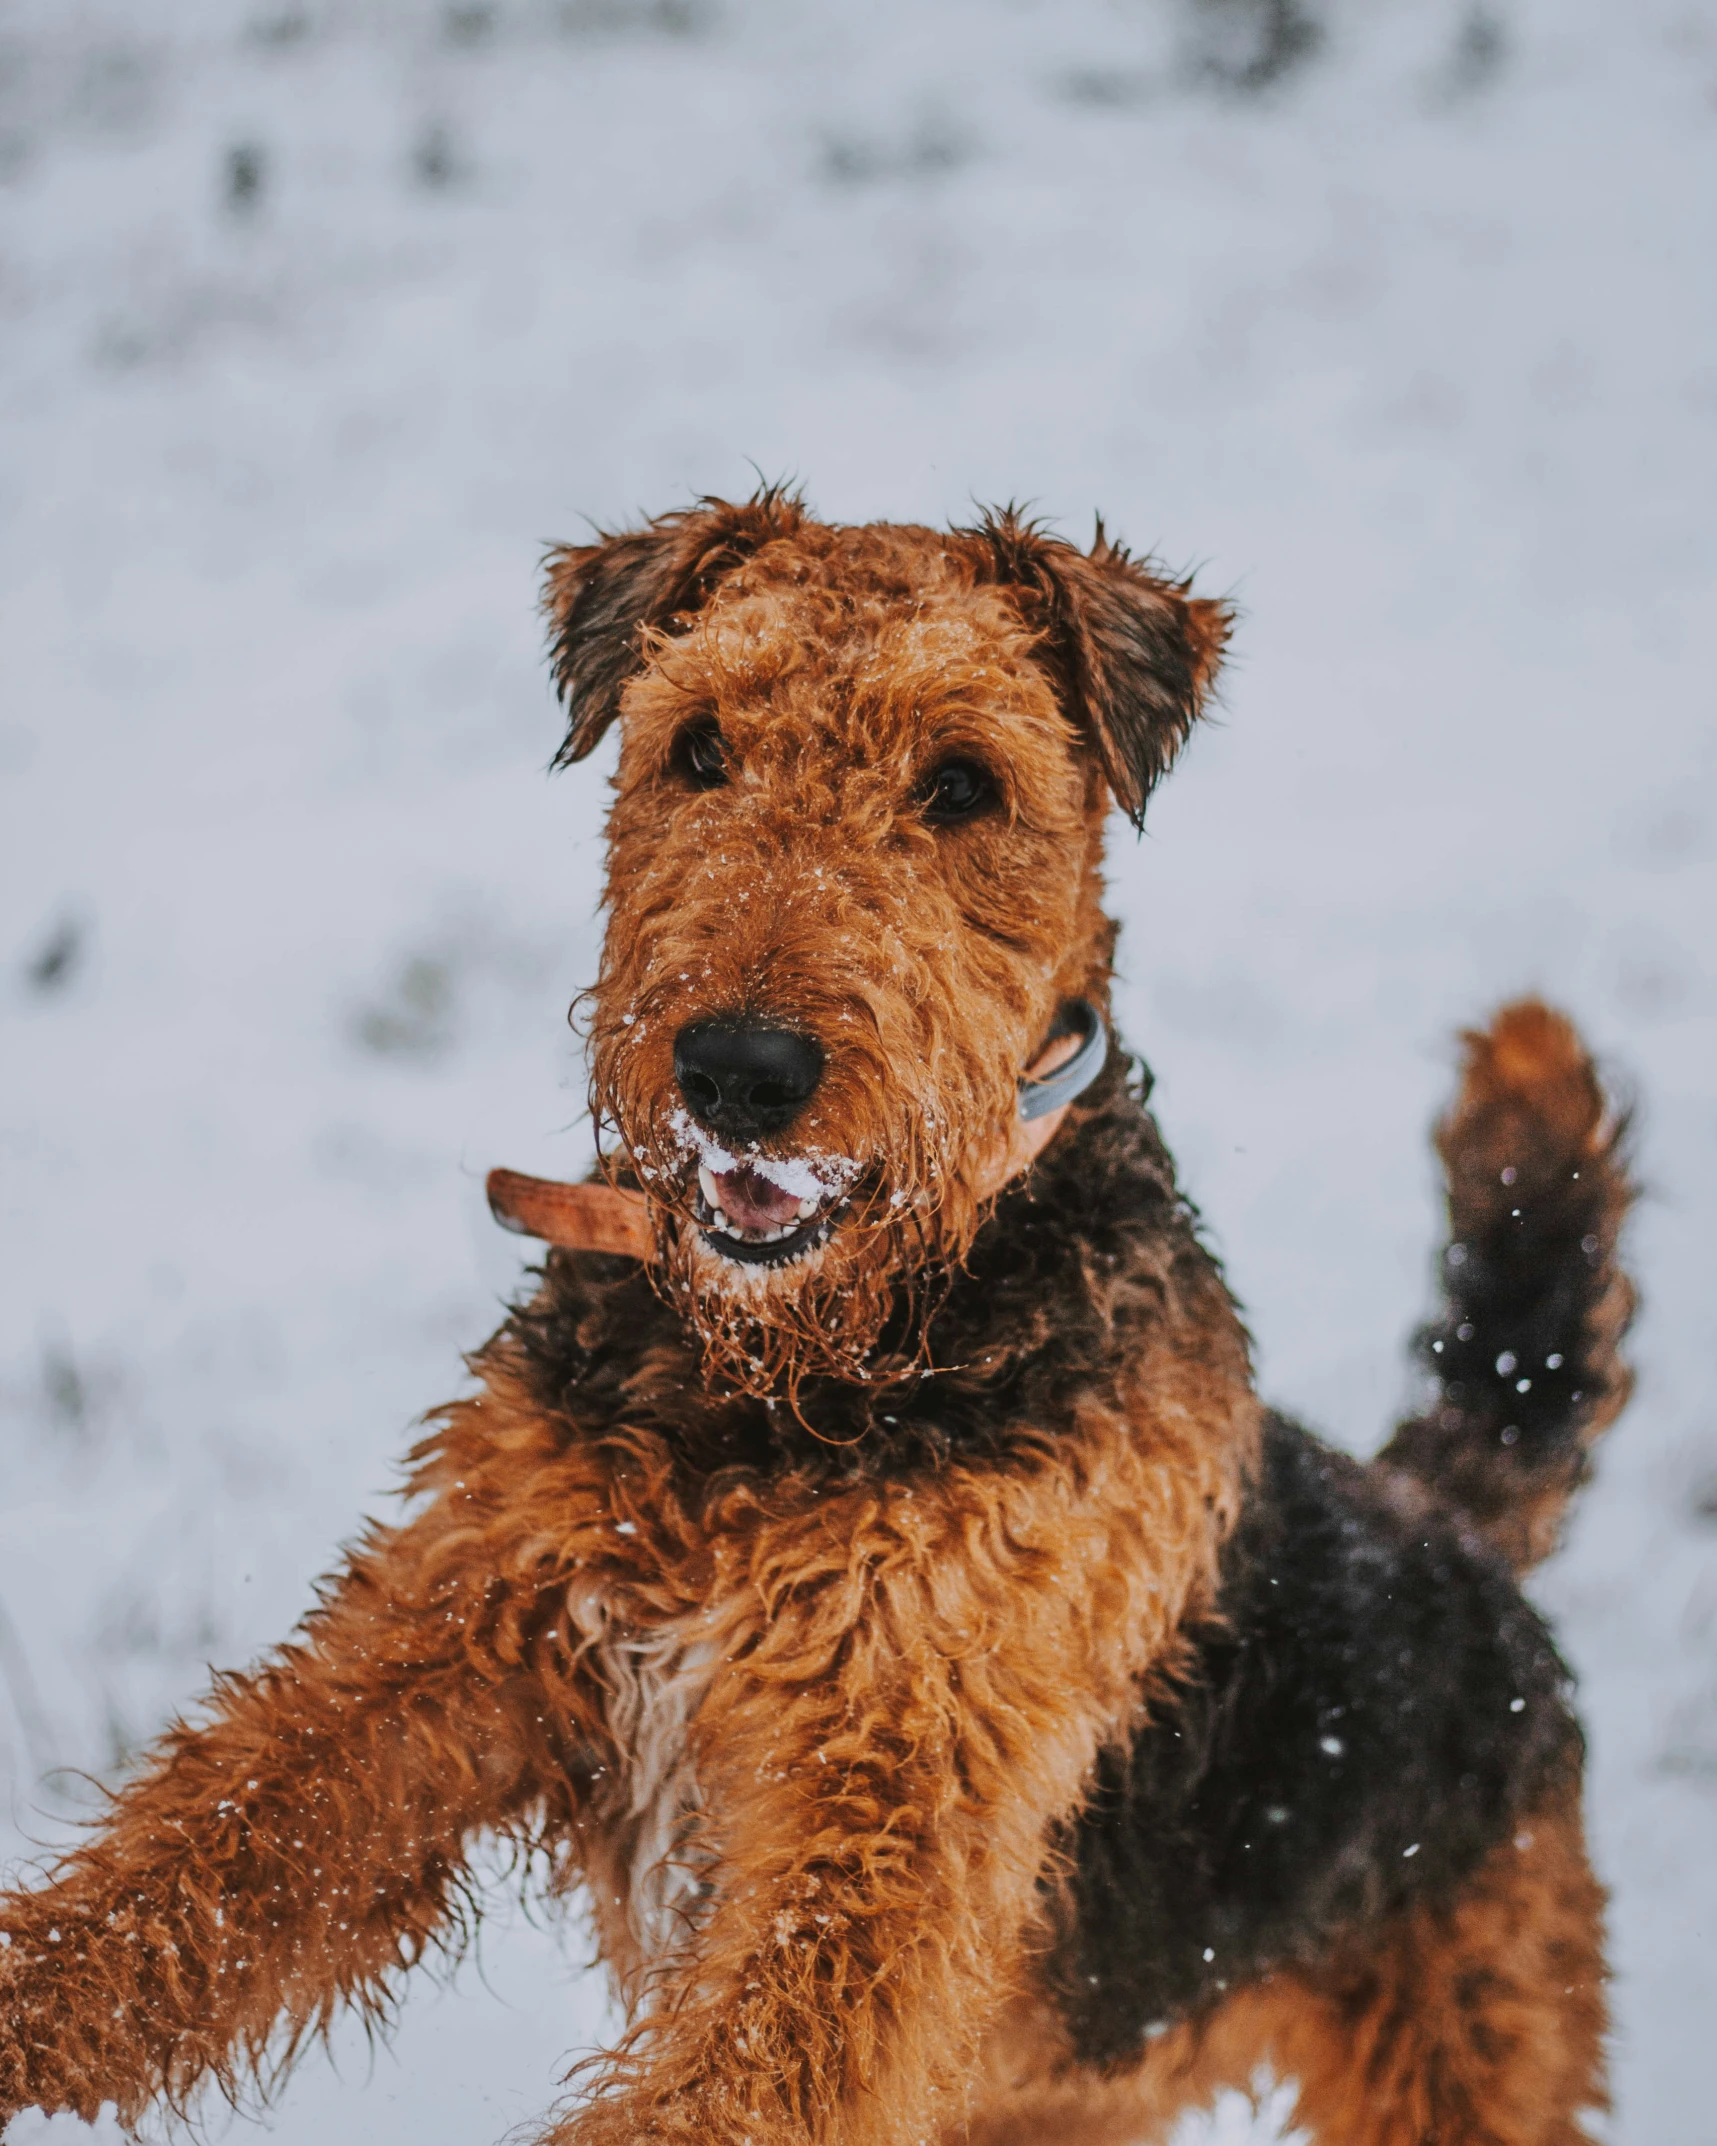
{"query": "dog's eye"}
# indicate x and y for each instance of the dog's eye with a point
(957, 790)
(700, 757)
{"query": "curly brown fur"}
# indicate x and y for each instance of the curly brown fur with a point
(899, 1616)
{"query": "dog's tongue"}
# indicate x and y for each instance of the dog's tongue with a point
(752, 1202)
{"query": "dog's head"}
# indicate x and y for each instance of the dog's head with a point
(853, 876)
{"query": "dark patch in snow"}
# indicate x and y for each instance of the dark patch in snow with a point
(416, 1018)
(244, 174)
(473, 23)
(928, 150)
(1249, 46)
(434, 161)
(611, 18)
(1479, 56)
(57, 960)
(291, 26)
(64, 1393)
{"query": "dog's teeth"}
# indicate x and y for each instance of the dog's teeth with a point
(707, 1186)
(718, 1220)
(807, 1208)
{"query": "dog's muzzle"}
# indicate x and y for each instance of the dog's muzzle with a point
(763, 1210)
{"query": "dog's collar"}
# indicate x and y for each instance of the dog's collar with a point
(1040, 1094)
(603, 1218)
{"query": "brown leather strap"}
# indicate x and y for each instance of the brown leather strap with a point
(582, 1218)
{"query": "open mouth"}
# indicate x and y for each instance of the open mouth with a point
(748, 1217)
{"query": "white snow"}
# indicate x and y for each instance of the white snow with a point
(317, 320)
(813, 1174)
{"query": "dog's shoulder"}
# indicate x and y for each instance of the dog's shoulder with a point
(1371, 1711)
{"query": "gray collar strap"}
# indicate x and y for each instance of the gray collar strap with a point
(1037, 1098)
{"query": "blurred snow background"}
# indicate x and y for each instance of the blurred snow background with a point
(317, 320)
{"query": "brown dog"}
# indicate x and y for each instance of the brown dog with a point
(971, 1716)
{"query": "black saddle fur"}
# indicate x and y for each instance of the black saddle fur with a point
(1370, 1719)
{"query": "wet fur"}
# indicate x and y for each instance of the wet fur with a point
(923, 1658)
(1366, 1718)
(1525, 1355)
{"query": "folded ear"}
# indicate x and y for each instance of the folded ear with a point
(1134, 652)
(599, 597)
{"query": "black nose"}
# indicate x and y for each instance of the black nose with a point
(744, 1078)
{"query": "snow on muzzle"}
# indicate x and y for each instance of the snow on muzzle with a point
(762, 1210)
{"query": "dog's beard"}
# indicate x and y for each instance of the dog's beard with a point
(851, 1308)
(854, 1306)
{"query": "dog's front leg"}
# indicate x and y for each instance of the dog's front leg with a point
(914, 1688)
(283, 1855)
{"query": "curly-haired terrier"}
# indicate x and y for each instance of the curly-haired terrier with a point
(864, 1567)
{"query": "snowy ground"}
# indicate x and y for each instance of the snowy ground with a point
(315, 321)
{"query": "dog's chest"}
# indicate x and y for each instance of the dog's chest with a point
(649, 1857)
